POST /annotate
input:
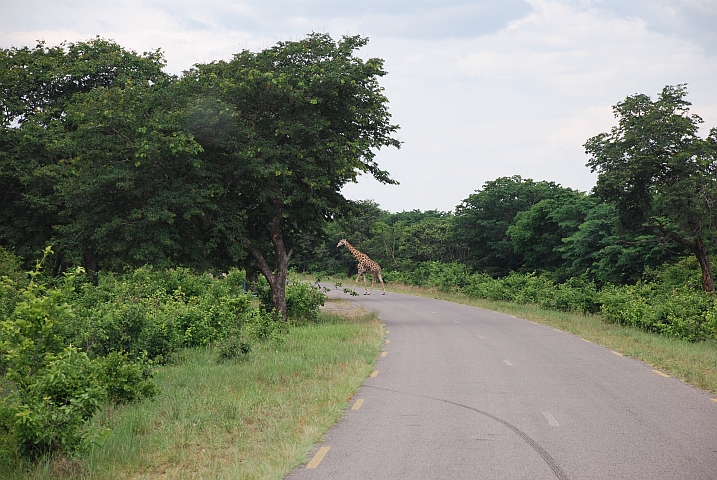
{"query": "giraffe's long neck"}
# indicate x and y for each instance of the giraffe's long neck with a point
(354, 251)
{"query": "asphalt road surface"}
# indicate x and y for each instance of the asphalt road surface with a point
(466, 393)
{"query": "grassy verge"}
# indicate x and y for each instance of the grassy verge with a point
(695, 363)
(256, 418)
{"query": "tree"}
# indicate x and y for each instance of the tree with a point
(39, 87)
(299, 121)
(605, 255)
(537, 233)
(660, 174)
(130, 181)
(483, 219)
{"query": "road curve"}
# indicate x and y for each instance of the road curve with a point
(466, 393)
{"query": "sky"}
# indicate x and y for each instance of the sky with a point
(481, 89)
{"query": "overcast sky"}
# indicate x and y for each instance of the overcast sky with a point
(481, 89)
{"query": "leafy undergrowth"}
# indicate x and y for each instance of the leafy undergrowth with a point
(252, 418)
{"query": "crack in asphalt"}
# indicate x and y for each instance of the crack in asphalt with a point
(533, 444)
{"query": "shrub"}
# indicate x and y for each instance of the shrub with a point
(66, 349)
(302, 299)
(125, 380)
(263, 326)
(233, 347)
(47, 411)
(575, 295)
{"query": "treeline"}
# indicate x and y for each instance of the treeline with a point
(117, 164)
(566, 250)
(510, 225)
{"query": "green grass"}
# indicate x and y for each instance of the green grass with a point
(256, 418)
(695, 363)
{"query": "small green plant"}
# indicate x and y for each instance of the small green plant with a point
(126, 380)
(233, 347)
(47, 412)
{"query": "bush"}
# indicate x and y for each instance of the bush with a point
(233, 347)
(67, 348)
(575, 295)
(302, 299)
(47, 411)
(672, 305)
(125, 380)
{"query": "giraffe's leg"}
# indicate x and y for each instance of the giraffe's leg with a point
(382, 284)
(365, 288)
(373, 279)
(356, 282)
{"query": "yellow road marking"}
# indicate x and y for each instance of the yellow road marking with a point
(374, 374)
(357, 404)
(617, 353)
(318, 457)
(587, 341)
(714, 399)
(383, 354)
(661, 374)
(388, 341)
(387, 331)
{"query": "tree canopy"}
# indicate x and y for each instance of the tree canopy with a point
(301, 119)
(117, 163)
(77, 120)
(484, 217)
(660, 174)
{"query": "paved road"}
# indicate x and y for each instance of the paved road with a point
(466, 393)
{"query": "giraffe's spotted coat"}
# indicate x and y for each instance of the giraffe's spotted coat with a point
(365, 265)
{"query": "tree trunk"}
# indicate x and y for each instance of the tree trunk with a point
(90, 264)
(252, 275)
(277, 278)
(700, 251)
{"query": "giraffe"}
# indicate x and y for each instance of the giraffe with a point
(365, 265)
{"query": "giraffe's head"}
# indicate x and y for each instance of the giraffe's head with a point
(342, 242)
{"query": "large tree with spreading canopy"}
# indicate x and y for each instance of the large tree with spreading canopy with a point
(661, 175)
(286, 128)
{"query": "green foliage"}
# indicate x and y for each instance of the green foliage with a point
(483, 219)
(302, 299)
(232, 347)
(537, 233)
(125, 379)
(681, 313)
(50, 388)
(669, 309)
(48, 410)
(69, 347)
(598, 250)
(155, 312)
(76, 122)
(443, 276)
(660, 174)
